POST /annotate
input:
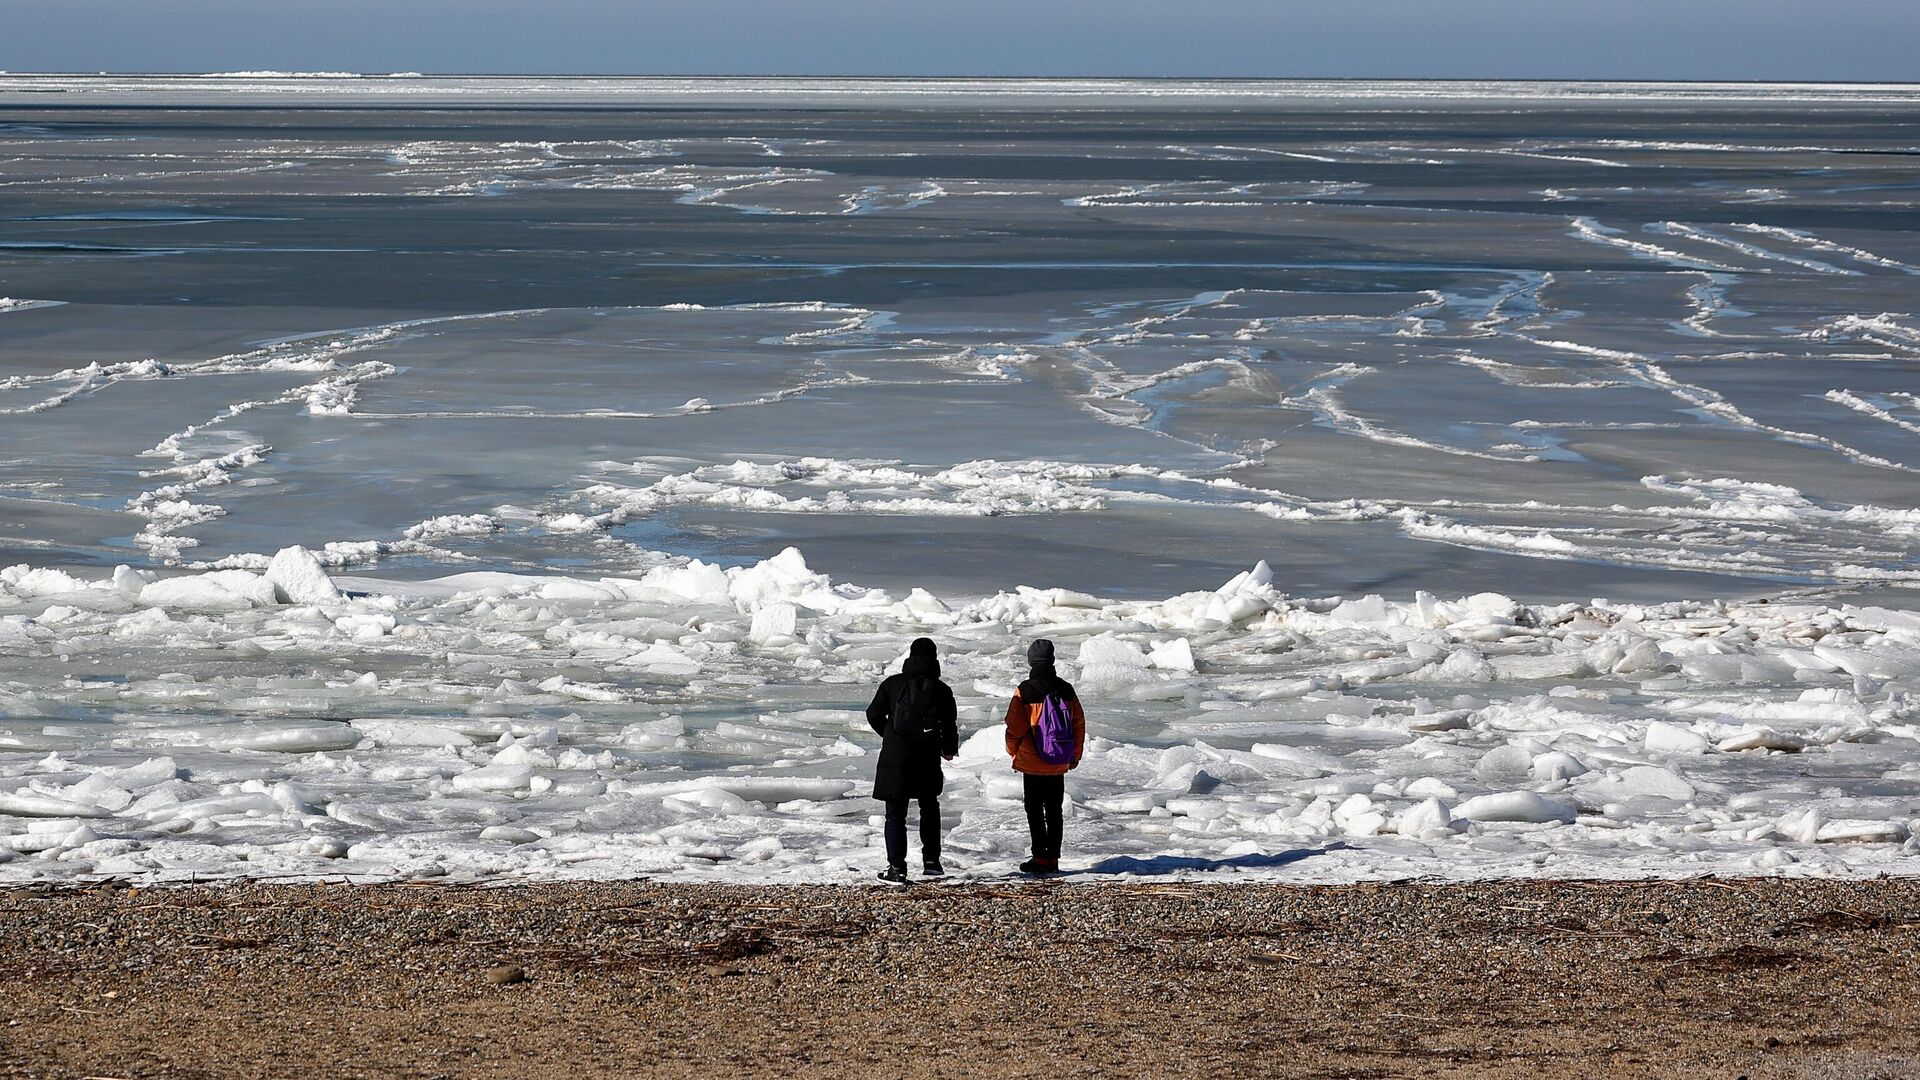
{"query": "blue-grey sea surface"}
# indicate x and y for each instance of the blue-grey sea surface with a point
(531, 478)
(1567, 340)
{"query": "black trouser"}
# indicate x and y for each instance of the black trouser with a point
(1044, 795)
(897, 831)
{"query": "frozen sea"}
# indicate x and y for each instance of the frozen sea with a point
(409, 477)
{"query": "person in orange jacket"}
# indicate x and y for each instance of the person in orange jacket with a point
(1045, 775)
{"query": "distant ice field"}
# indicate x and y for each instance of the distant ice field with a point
(411, 477)
(267, 87)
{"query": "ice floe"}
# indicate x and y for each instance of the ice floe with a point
(703, 722)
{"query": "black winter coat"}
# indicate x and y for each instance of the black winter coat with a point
(910, 767)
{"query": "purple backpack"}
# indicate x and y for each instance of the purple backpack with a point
(1053, 732)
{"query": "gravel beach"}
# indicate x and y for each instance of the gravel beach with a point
(1705, 978)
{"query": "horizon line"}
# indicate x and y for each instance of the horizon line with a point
(321, 74)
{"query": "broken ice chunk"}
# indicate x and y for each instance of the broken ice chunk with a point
(1516, 806)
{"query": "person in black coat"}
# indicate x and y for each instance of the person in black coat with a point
(914, 714)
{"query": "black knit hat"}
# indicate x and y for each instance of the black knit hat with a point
(922, 646)
(1040, 652)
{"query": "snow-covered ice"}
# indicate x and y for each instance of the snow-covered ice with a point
(696, 722)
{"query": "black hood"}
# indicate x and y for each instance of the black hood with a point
(923, 661)
(1042, 678)
(1040, 663)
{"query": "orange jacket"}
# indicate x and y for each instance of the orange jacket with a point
(1021, 718)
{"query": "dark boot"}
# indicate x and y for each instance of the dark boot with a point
(895, 872)
(932, 868)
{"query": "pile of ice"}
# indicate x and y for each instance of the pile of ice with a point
(703, 722)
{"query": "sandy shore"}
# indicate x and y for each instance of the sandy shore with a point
(1764, 978)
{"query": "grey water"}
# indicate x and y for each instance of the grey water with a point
(1558, 341)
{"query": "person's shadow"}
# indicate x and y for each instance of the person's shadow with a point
(1174, 864)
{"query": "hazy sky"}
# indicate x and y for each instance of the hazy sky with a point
(1692, 39)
